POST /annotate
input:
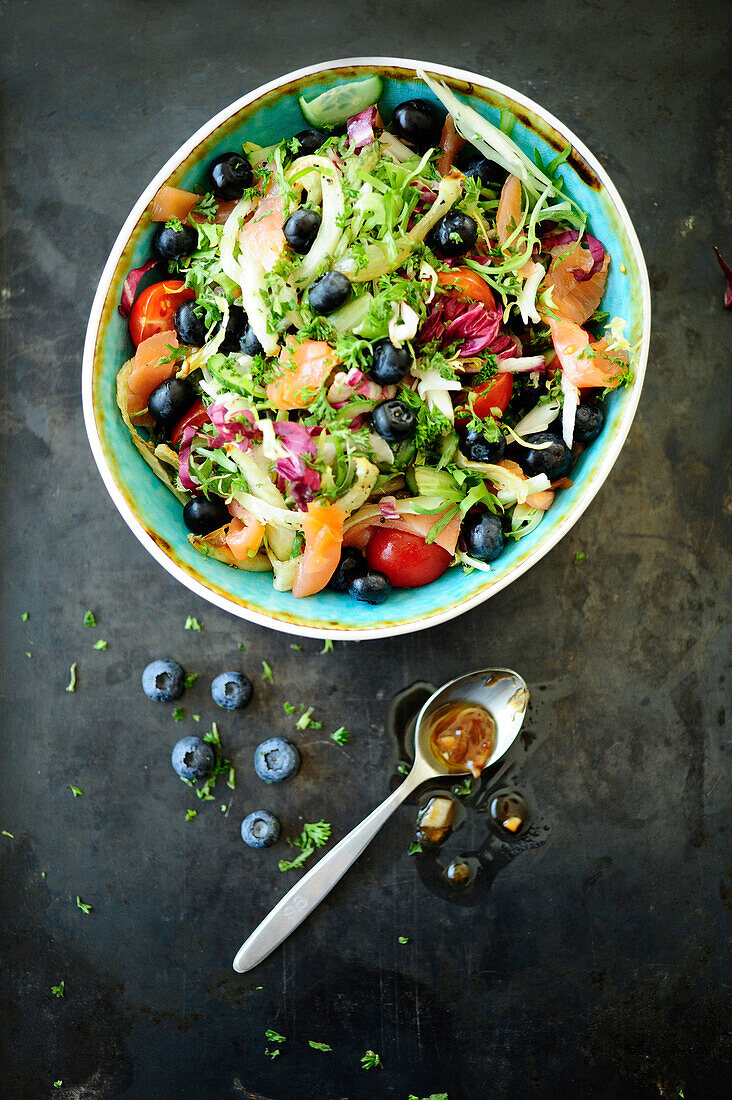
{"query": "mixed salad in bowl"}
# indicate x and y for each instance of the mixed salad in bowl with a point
(378, 349)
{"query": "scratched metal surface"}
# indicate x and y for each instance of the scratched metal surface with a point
(593, 962)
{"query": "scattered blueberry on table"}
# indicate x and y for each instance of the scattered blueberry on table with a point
(276, 760)
(192, 758)
(231, 690)
(260, 829)
(163, 680)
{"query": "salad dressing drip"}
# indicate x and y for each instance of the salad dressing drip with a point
(463, 734)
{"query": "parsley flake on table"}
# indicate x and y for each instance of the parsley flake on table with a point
(28, 654)
(196, 717)
(306, 720)
(190, 814)
(579, 556)
(212, 736)
(242, 647)
(314, 835)
(25, 616)
(101, 644)
(319, 1046)
(371, 1060)
(272, 1053)
(57, 1084)
(296, 647)
(83, 905)
(58, 990)
(274, 1036)
(404, 939)
(178, 714)
(189, 680)
(414, 849)
(89, 619)
(465, 787)
(433, 1096)
(6, 833)
(402, 769)
(328, 647)
(76, 791)
(192, 623)
(267, 672)
(341, 736)
(289, 708)
(71, 686)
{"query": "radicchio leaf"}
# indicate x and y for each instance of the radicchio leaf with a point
(131, 284)
(360, 128)
(728, 276)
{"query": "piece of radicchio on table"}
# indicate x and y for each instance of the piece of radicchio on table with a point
(727, 271)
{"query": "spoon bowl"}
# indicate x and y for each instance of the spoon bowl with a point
(504, 695)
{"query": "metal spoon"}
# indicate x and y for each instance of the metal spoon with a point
(505, 696)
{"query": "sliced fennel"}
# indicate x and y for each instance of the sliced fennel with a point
(329, 235)
(539, 418)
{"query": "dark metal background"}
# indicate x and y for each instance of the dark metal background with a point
(594, 965)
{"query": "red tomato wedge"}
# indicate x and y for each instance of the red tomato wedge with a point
(469, 285)
(360, 533)
(493, 394)
(245, 533)
(407, 559)
(155, 309)
(147, 370)
(583, 364)
(323, 528)
(576, 301)
(196, 417)
(262, 235)
(305, 368)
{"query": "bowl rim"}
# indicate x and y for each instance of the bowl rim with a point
(271, 620)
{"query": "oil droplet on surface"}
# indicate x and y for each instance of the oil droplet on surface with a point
(509, 813)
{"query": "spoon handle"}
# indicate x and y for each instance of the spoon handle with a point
(300, 901)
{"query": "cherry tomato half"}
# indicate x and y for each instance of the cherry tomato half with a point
(154, 310)
(407, 559)
(494, 394)
(196, 417)
(469, 284)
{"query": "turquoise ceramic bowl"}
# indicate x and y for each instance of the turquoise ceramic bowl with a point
(153, 513)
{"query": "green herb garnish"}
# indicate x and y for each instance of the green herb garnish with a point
(327, 646)
(190, 814)
(83, 905)
(58, 990)
(192, 623)
(371, 1060)
(267, 672)
(579, 556)
(414, 848)
(25, 616)
(71, 686)
(189, 680)
(341, 736)
(101, 644)
(314, 835)
(178, 714)
(89, 619)
(76, 791)
(319, 1046)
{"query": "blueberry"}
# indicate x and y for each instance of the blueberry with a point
(393, 421)
(329, 292)
(189, 327)
(370, 587)
(309, 141)
(389, 364)
(454, 234)
(260, 829)
(162, 680)
(588, 422)
(249, 342)
(231, 174)
(554, 460)
(301, 229)
(477, 448)
(192, 758)
(202, 516)
(352, 564)
(172, 244)
(169, 401)
(276, 759)
(231, 690)
(235, 328)
(483, 536)
(418, 122)
(471, 162)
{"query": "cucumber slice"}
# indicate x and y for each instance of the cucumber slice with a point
(426, 481)
(338, 104)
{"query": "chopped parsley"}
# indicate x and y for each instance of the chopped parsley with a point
(341, 736)
(58, 990)
(319, 1046)
(57, 1084)
(403, 769)
(274, 1037)
(314, 835)
(192, 623)
(433, 1096)
(242, 647)
(196, 717)
(272, 1053)
(289, 708)
(25, 616)
(189, 680)
(465, 787)
(306, 720)
(190, 814)
(328, 646)
(296, 647)
(414, 848)
(89, 619)
(101, 644)
(207, 207)
(28, 654)
(178, 714)
(267, 672)
(76, 791)
(175, 224)
(579, 556)
(212, 736)
(371, 1060)
(71, 686)
(12, 837)
(404, 939)
(83, 905)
